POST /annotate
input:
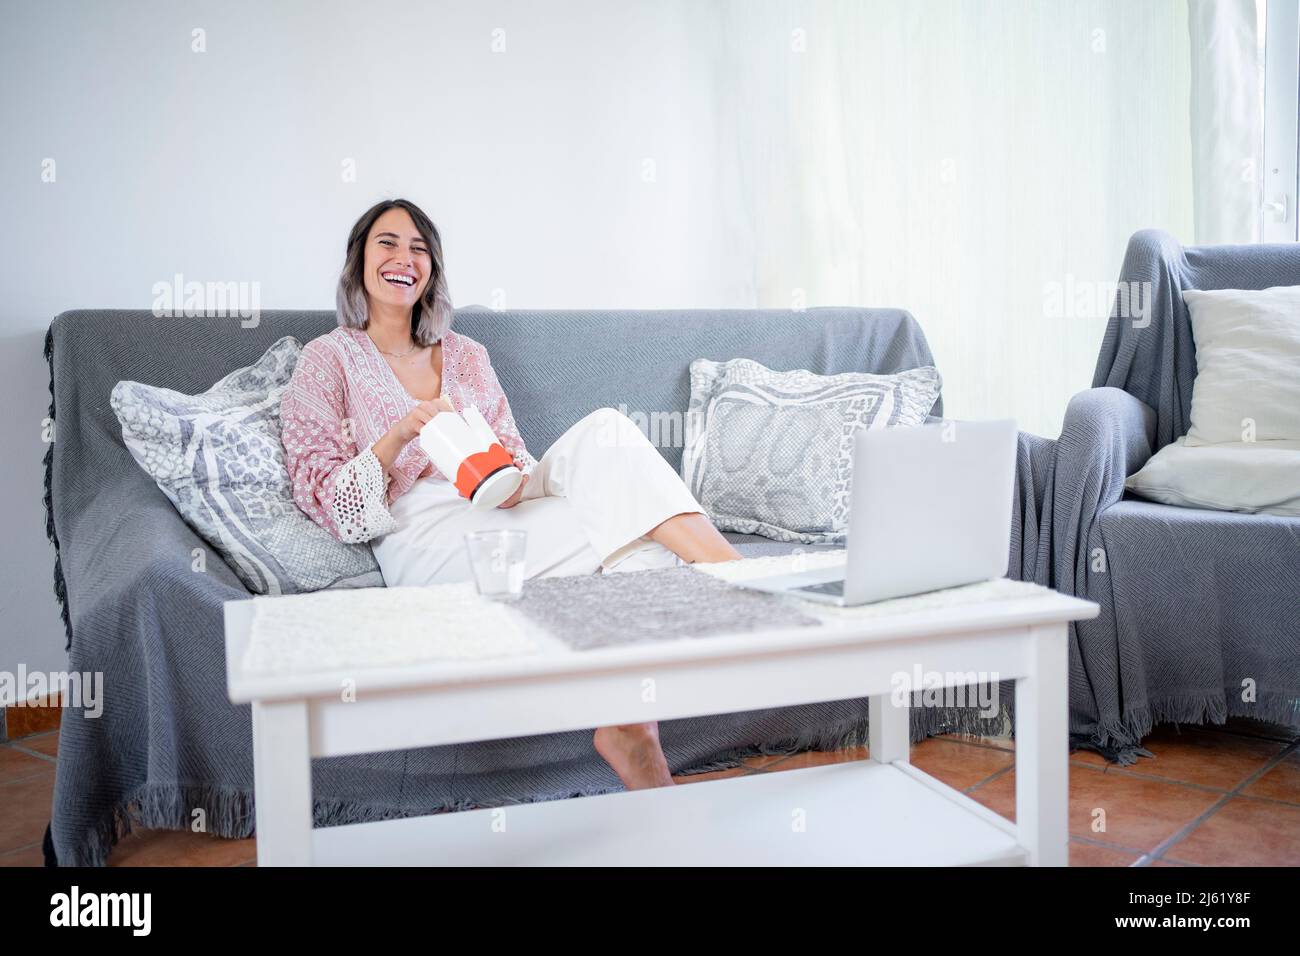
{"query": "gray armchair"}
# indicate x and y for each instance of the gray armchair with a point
(1200, 610)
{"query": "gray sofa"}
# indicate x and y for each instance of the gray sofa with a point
(169, 741)
(1200, 610)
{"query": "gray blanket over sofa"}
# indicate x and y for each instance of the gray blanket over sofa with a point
(169, 741)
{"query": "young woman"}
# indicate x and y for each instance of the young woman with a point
(601, 498)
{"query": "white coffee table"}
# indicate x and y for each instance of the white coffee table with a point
(876, 811)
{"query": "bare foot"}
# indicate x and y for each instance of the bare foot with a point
(633, 751)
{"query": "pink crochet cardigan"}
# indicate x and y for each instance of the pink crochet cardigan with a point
(343, 397)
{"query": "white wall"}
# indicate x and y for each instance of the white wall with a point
(950, 158)
(226, 165)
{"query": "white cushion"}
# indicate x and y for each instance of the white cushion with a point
(1247, 365)
(1261, 476)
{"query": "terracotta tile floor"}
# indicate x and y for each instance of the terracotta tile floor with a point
(1212, 796)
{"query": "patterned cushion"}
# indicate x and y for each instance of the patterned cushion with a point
(769, 452)
(218, 457)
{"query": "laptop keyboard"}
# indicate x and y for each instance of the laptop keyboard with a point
(835, 588)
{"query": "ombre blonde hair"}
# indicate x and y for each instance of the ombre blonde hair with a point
(431, 317)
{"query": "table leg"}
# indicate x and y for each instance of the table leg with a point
(888, 730)
(1043, 749)
(282, 783)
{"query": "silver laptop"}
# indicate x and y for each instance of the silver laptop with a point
(930, 508)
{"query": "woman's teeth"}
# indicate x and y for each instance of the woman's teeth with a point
(396, 278)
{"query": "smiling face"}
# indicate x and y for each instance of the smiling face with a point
(397, 263)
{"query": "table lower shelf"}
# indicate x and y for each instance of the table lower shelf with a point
(855, 813)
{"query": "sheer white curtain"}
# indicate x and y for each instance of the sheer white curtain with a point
(1227, 100)
(980, 163)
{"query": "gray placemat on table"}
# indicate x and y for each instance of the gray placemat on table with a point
(588, 611)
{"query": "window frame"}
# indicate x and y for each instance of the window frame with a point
(1281, 168)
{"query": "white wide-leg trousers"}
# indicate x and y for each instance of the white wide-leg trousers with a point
(588, 506)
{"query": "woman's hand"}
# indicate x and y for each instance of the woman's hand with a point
(419, 416)
(396, 438)
(514, 498)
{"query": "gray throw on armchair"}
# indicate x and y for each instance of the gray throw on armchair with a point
(1200, 609)
(169, 741)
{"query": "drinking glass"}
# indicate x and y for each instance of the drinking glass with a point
(497, 559)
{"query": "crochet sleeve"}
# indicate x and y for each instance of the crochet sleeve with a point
(342, 488)
(497, 412)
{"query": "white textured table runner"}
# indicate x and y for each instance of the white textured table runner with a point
(385, 627)
(380, 627)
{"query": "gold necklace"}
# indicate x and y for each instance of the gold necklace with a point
(414, 347)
